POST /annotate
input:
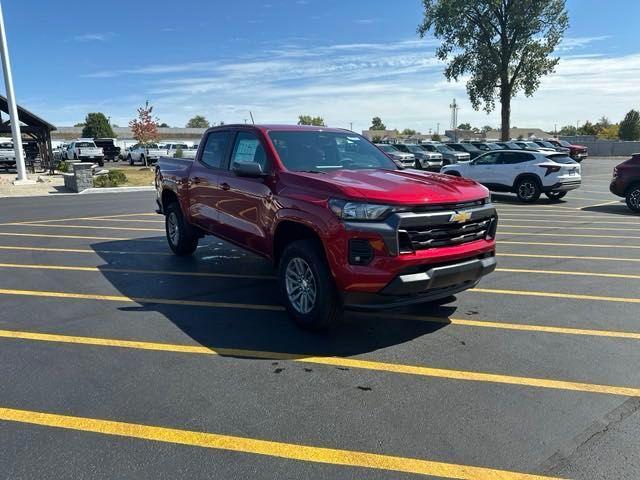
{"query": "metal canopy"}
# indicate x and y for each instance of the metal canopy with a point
(34, 127)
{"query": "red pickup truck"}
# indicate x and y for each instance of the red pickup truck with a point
(626, 182)
(344, 225)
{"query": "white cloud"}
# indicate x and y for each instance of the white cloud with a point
(94, 37)
(400, 81)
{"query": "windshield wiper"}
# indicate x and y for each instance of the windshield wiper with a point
(312, 171)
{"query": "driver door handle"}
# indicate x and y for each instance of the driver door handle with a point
(225, 186)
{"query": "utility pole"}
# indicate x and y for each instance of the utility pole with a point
(454, 118)
(13, 109)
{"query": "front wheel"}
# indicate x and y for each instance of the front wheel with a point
(633, 199)
(130, 158)
(555, 195)
(307, 287)
(528, 190)
(180, 235)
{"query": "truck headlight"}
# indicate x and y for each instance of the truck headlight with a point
(360, 211)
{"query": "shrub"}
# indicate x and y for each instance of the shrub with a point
(179, 153)
(63, 167)
(112, 179)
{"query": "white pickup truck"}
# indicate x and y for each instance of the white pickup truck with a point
(187, 151)
(7, 155)
(83, 149)
(149, 153)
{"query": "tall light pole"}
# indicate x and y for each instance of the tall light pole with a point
(11, 103)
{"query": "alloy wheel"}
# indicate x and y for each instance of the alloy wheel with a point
(172, 228)
(301, 285)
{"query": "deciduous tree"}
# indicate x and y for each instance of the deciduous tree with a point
(376, 124)
(145, 127)
(198, 121)
(630, 126)
(309, 120)
(503, 46)
(96, 125)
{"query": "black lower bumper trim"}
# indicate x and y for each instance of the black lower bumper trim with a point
(433, 284)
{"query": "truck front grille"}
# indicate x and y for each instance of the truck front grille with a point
(431, 236)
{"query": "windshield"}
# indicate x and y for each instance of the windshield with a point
(85, 144)
(490, 146)
(469, 148)
(546, 144)
(415, 149)
(564, 143)
(387, 148)
(321, 151)
(443, 149)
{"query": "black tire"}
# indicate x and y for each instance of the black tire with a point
(418, 165)
(555, 195)
(633, 198)
(181, 237)
(326, 308)
(528, 189)
(130, 160)
(75, 157)
(101, 163)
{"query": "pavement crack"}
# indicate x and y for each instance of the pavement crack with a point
(595, 431)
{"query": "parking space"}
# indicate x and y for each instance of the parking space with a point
(120, 357)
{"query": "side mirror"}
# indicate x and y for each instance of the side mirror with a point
(247, 169)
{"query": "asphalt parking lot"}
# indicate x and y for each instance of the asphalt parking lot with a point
(119, 360)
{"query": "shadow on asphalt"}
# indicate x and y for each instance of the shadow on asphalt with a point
(501, 198)
(243, 328)
(614, 209)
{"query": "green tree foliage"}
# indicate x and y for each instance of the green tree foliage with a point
(198, 122)
(78, 125)
(612, 132)
(464, 126)
(630, 126)
(486, 128)
(163, 125)
(568, 131)
(409, 132)
(376, 124)
(309, 120)
(96, 125)
(435, 137)
(587, 128)
(503, 46)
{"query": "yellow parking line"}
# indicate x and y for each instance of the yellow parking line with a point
(551, 208)
(576, 215)
(569, 296)
(569, 257)
(120, 220)
(81, 250)
(133, 270)
(335, 362)
(143, 300)
(586, 221)
(562, 234)
(558, 244)
(253, 446)
(94, 227)
(562, 228)
(85, 218)
(558, 272)
(44, 235)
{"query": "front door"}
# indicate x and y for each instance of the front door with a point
(245, 203)
(483, 168)
(203, 180)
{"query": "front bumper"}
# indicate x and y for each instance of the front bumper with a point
(618, 187)
(431, 284)
(578, 157)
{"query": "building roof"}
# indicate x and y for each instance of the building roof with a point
(26, 117)
(525, 133)
(125, 133)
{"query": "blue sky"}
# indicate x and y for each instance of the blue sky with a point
(344, 60)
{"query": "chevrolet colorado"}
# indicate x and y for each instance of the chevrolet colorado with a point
(345, 226)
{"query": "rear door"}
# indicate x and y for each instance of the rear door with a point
(245, 203)
(204, 196)
(510, 165)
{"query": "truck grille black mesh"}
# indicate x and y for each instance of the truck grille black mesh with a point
(430, 236)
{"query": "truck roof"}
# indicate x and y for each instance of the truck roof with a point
(281, 127)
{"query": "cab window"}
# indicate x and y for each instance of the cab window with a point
(488, 159)
(215, 149)
(248, 149)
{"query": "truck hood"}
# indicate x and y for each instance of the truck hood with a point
(398, 187)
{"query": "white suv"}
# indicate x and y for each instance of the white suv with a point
(528, 174)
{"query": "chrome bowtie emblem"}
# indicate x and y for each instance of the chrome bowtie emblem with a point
(460, 217)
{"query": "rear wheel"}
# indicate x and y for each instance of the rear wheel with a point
(556, 195)
(528, 189)
(130, 158)
(307, 286)
(633, 198)
(182, 238)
